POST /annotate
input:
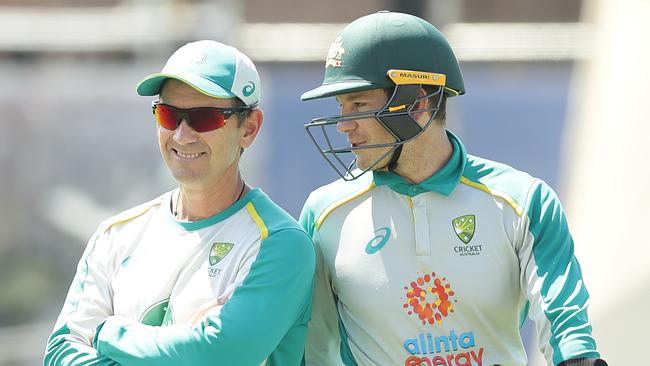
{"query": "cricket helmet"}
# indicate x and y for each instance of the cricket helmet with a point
(392, 51)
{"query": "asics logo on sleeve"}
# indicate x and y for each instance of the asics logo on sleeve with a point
(381, 238)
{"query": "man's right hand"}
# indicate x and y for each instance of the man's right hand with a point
(209, 307)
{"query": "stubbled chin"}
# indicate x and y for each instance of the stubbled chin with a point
(362, 164)
(187, 176)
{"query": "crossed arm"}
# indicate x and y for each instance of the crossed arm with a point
(271, 305)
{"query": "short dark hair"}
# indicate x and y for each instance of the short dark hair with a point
(441, 115)
(241, 117)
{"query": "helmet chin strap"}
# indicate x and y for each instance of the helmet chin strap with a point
(401, 125)
(392, 164)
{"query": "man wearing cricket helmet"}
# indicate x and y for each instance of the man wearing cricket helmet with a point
(427, 255)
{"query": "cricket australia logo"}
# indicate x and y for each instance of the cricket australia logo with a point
(464, 227)
(335, 53)
(218, 252)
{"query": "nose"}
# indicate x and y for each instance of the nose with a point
(185, 134)
(346, 126)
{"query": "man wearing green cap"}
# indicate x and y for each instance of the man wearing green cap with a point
(427, 255)
(210, 273)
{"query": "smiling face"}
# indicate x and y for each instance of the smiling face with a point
(367, 131)
(198, 160)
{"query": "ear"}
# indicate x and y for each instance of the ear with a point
(424, 103)
(422, 117)
(251, 127)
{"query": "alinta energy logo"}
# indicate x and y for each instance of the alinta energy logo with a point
(455, 349)
(465, 227)
(430, 299)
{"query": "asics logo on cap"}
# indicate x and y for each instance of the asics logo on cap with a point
(249, 89)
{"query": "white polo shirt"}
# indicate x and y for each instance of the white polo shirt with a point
(144, 274)
(443, 272)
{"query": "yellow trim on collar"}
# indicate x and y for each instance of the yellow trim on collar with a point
(264, 231)
(493, 192)
(339, 203)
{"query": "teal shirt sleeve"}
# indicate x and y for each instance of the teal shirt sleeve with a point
(62, 351)
(88, 303)
(266, 317)
(553, 280)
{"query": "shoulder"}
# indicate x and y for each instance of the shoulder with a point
(277, 227)
(270, 218)
(499, 180)
(516, 187)
(322, 201)
(127, 217)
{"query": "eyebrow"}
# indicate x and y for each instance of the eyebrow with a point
(353, 98)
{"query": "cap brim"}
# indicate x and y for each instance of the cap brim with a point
(329, 90)
(152, 84)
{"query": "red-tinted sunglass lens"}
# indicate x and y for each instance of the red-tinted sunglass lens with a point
(200, 119)
(206, 119)
(166, 116)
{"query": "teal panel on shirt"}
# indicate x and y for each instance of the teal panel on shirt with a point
(563, 290)
(499, 177)
(60, 351)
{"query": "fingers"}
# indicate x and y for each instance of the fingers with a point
(206, 308)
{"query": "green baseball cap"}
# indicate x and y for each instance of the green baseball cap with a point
(212, 68)
(364, 52)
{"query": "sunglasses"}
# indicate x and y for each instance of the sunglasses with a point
(202, 119)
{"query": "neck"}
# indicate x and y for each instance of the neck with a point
(198, 203)
(424, 156)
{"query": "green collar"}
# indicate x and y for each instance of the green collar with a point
(443, 181)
